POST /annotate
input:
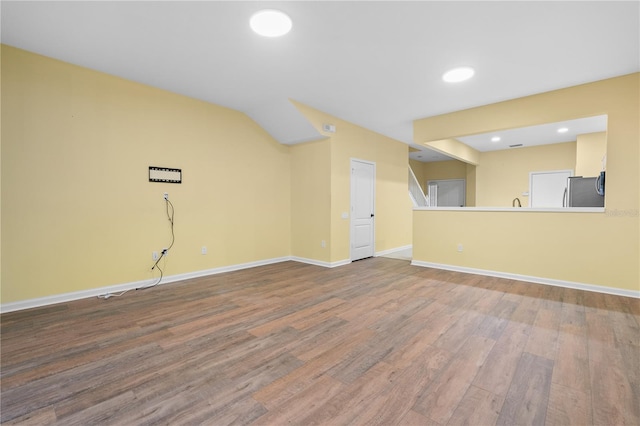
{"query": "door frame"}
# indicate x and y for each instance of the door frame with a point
(351, 197)
(545, 172)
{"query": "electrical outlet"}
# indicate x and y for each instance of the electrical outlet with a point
(166, 196)
(165, 251)
(203, 250)
(323, 244)
(154, 255)
(460, 248)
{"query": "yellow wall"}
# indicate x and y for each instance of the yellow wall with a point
(451, 169)
(78, 211)
(311, 200)
(437, 170)
(592, 248)
(590, 150)
(393, 206)
(454, 148)
(503, 175)
(0, 183)
(578, 247)
(471, 185)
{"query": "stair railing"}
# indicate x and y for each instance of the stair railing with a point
(415, 191)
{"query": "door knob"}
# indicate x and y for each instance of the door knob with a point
(372, 214)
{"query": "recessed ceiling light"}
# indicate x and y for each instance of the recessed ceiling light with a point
(457, 75)
(495, 139)
(563, 130)
(270, 23)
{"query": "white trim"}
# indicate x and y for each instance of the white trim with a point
(94, 292)
(517, 209)
(320, 262)
(393, 250)
(532, 279)
(68, 297)
(83, 294)
(222, 269)
(413, 200)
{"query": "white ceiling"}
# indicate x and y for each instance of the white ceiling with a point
(543, 134)
(376, 64)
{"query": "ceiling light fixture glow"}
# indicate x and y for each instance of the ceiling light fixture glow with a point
(457, 75)
(270, 23)
(563, 130)
(495, 139)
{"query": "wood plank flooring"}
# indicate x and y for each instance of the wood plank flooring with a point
(376, 342)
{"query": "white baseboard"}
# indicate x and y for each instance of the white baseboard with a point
(94, 292)
(68, 297)
(222, 269)
(532, 279)
(83, 294)
(320, 262)
(393, 250)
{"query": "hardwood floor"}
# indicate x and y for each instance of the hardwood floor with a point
(376, 342)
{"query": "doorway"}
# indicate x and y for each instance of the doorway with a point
(447, 193)
(547, 189)
(363, 179)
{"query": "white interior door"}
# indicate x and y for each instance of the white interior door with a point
(362, 209)
(546, 189)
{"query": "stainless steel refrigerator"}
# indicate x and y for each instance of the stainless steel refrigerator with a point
(583, 192)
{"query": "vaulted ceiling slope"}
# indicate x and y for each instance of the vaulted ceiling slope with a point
(376, 64)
